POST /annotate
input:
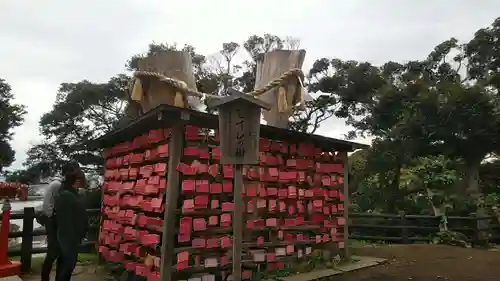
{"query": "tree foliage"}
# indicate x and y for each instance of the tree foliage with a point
(433, 178)
(445, 105)
(11, 116)
(82, 111)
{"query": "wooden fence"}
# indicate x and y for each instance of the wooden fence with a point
(26, 250)
(405, 228)
(400, 228)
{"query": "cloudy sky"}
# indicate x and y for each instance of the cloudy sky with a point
(45, 43)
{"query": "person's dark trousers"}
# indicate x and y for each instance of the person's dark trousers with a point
(53, 250)
(66, 264)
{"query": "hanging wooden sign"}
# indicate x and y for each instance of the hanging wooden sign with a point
(239, 127)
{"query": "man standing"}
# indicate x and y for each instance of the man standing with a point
(71, 224)
(48, 220)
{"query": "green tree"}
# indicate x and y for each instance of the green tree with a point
(11, 116)
(374, 179)
(82, 111)
(13, 176)
(28, 176)
(371, 99)
(482, 54)
(489, 176)
(467, 123)
(426, 107)
(435, 179)
(43, 160)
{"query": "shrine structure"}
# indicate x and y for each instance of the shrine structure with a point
(169, 196)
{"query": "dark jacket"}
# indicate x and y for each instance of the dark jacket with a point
(71, 219)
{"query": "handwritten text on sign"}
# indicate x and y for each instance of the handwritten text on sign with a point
(240, 134)
(240, 125)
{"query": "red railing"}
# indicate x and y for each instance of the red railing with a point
(9, 190)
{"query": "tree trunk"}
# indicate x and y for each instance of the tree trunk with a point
(471, 177)
(382, 184)
(173, 64)
(395, 198)
(276, 63)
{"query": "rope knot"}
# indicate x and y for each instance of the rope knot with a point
(183, 90)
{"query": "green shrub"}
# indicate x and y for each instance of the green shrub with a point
(451, 238)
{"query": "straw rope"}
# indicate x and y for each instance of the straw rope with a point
(181, 85)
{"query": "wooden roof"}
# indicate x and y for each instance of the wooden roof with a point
(165, 115)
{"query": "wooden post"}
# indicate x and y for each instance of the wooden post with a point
(274, 64)
(4, 233)
(238, 222)
(476, 241)
(347, 253)
(403, 222)
(175, 151)
(239, 128)
(100, 257)
(27, 242)
(481, 227)
(173, 64)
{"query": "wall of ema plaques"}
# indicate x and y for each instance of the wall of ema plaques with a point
(293, 205)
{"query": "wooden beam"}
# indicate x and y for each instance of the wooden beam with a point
(175, 151)
(346, 206)
(237, 222)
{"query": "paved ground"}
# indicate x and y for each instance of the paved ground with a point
(360, 263)
(427, 263)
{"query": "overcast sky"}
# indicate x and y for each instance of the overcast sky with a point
(45, 43)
